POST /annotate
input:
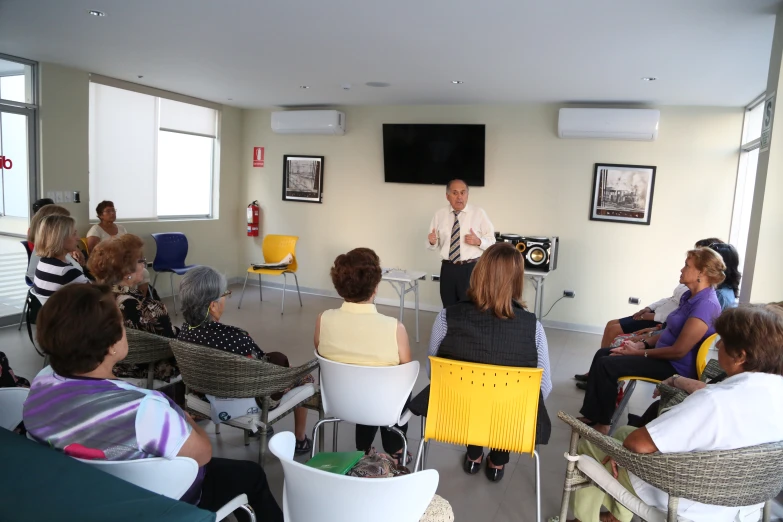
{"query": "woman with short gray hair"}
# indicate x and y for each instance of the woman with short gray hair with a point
(203, 293)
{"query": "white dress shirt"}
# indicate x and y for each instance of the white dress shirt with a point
(469, 217)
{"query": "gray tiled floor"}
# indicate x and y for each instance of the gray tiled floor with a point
(473, 498)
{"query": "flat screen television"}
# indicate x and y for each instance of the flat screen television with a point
(432, 154)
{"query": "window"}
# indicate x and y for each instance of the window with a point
(746, 176)
(153, 156)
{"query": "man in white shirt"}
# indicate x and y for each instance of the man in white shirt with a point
(461, 233)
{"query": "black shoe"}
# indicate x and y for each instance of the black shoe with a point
(581, 377)
(581, 385)
(471, 467)
(303, 446)
(494, 474)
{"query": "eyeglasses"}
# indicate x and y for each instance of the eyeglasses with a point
(226, 294)
(142, 261)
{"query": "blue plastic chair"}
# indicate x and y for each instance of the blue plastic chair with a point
(29, 251)
(170, 257)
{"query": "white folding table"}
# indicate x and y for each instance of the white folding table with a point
(405, 281)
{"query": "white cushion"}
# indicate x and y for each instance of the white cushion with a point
(291, 398)
(141, 382)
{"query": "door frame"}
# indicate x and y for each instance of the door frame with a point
(32, 147)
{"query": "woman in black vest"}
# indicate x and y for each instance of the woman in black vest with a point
(495, 305)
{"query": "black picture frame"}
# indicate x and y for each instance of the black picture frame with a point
(622, 193)
(303, 178)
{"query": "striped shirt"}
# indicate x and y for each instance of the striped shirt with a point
(440, 328)
(51, 274)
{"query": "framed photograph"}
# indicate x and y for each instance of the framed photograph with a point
(303, 178)
(622, 193)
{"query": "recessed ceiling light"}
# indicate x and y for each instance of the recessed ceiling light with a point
(377, 84)
(457, 82)
(649, 78)
(96, 13)
(304, 86)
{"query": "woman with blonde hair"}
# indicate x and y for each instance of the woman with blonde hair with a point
(672, 353)
(75, 258)
(55, 237)
(495, 305)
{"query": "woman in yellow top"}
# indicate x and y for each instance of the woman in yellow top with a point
(357, 334)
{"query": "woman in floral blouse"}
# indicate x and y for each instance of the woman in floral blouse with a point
(119, 262)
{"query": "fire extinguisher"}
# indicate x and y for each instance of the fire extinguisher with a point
(252, 219)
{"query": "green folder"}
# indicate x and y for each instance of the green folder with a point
(340, 462)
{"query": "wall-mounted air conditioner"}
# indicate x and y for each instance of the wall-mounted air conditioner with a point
(308, 122)
(609, 124)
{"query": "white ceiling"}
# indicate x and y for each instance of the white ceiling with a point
(258, 52)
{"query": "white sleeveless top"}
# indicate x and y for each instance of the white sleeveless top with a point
(358, 334)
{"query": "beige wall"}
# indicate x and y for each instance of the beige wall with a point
(64, 166)
(536, 184)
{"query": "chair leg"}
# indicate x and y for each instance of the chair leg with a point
(247, 437)
(766, 514)
(334, 437)
(174, 295)
(296, 280)
(282, 305)
(242, 295)
(622, 406)
(150, 375)
(315, 432)
(674, 503)
(417, 464)
(398, 431)
(217, 429)
(426, 446)
(322, 432)
(260, 288)
(570, 469)
(538, 485)
(24, 310)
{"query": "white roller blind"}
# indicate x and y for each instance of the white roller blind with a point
(184, 117)
(123, 138)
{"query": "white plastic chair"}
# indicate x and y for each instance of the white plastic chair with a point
(11, 404)
(170, 478)
(312, 494)
(369, 395)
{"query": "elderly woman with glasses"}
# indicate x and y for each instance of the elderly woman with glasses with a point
(203, 293)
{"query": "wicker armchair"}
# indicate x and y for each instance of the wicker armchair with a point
(147, 348)
(671, 396)
(740, 477)
(222, 374)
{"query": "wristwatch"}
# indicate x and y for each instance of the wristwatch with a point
(646, 346)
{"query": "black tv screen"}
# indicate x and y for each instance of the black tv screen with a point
(432, 154)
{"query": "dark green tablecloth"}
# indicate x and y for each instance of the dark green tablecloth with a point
(39, 483)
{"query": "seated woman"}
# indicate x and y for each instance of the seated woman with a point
(673, 352)
(723, 416)
(105, 229)
(357, 334)
(54, 239)
(78, 407)
(459, 333)
(75, 258)
(119, 263)
(728, 291)
(203, 292)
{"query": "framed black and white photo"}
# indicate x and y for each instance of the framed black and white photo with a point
(622, 193)
(303, 178)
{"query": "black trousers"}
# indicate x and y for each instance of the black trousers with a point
(392, 443)
(498, 458)
(454, 282)
(601, 393)
(227, 478)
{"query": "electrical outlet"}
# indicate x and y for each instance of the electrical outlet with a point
(67, 196)
(436, 277)
(569, 293)
(59, 197)
(633, 300)
(76, 197)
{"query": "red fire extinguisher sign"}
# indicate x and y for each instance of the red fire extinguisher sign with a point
(258, 156)
(252, 219)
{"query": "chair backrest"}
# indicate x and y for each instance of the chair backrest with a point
(83, 245)
(145, 347)
(170, 478)
(172, 249)
(370, 395)
(484, 405)
(276, 247)
(29, 250)
(11, 405)
(312, 494)
(704, 350)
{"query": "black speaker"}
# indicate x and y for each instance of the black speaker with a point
(540, 253)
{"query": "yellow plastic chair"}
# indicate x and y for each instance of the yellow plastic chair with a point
(84, 244)
(275, 248)
(701, 363)
(484, 405)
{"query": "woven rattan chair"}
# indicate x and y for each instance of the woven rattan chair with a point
(222, 374)
(147, 348)
(740, 477)
(671, 396)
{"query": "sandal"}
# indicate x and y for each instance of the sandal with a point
(396, 457)
(303, 446)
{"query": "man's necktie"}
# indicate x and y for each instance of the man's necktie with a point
(454, 248)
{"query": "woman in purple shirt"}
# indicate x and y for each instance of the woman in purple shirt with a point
(674, 352)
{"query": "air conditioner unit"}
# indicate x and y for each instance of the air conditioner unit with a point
(308, 122)
(609, 124)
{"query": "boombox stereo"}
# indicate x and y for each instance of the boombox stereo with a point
(540, 253)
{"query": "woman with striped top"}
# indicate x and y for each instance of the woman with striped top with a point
(55, 237)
